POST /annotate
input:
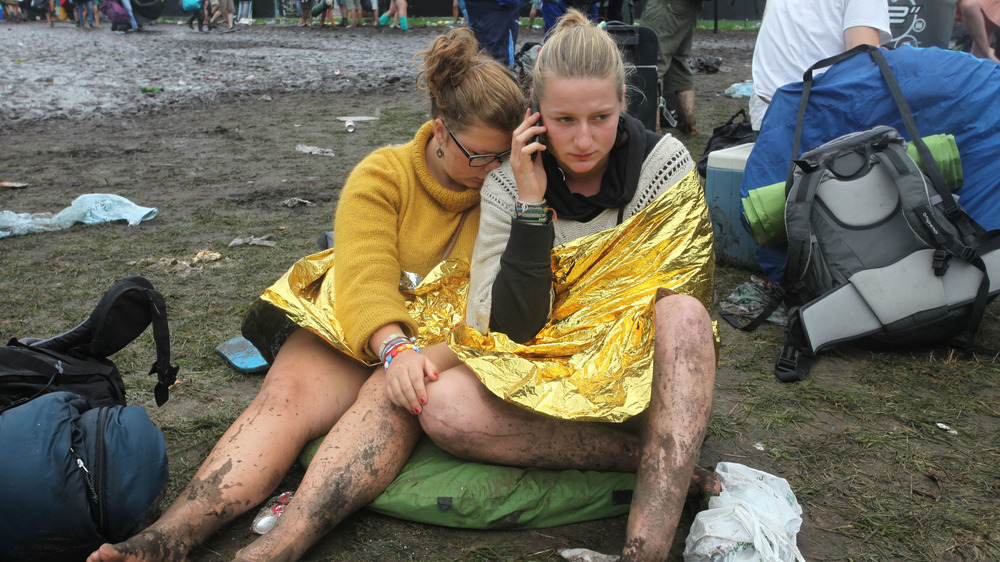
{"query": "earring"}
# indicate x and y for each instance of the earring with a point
(440, 153)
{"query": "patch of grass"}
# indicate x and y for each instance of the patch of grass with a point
(872, 452)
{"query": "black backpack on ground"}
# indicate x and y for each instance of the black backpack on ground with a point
(77, 465)
(879, 251)
(77, 360)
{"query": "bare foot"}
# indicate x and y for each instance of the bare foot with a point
(704, 484)
(148, 546)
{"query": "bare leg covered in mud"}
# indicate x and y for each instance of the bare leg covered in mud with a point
(306, 391)
(359, 458)
(467, 420)
(680, 405)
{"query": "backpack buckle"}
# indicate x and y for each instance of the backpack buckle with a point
(968, 253)
(785, 367)
(940, 263)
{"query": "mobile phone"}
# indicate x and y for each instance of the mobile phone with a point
(536, 138)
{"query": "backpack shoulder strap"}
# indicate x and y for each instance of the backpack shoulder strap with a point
(123, 314)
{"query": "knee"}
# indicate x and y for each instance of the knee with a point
(281, 387)
(448, 416)
(683, 323)
(683, 310)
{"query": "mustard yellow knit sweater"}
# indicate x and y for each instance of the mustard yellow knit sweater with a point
(393, 217)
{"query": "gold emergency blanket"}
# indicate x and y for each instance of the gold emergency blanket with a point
(593, 361)
(305, 293)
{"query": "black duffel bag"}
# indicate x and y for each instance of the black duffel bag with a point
(730, 133)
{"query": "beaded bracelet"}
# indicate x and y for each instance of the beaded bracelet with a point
(393, 338)
(399, 348)
(393, 344)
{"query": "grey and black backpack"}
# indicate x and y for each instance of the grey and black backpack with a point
(879, 250)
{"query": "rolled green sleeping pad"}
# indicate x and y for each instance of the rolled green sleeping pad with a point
(436, 487)
(945, 153)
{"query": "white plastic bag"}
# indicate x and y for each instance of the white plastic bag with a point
(91, 208)
(755, 518)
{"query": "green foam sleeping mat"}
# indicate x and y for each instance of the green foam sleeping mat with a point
(438, 488)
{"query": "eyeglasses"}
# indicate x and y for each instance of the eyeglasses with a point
(477, 160)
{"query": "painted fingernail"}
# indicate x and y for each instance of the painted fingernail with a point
(423, 400)
(416, 410)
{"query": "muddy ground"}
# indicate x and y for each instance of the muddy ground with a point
(215, 152)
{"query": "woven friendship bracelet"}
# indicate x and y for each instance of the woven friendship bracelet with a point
(532, 213)
(520, 207)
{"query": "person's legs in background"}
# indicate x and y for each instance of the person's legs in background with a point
(212, 11)
(536, 6)
(674, 22)
(128, 8)
(342, 8)
(305, 7)
(975, 25)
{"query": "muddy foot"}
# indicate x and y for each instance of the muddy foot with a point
(704, 484)
(148, 546)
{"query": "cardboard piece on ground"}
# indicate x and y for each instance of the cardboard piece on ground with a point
(241, 355)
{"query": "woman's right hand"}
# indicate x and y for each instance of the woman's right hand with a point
(526, 165)
(405, 378)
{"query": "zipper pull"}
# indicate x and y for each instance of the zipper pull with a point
(89, 478)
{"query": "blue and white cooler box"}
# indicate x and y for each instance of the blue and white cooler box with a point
(734, 245)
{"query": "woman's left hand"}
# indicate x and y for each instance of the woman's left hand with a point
(405, 376)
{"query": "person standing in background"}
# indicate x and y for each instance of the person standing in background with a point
(796, 34)
(305, 19)
(495, 23)
(397, 11)
(674, 22)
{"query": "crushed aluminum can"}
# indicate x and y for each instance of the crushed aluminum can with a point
(336, 72)
(349, 126)
(268, 515)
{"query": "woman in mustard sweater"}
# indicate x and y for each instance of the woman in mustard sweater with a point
(403, 210)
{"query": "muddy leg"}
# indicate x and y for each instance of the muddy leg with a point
(306, 390)
(679, 410)
(359, 458)
(467, 420)
(686, 100)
